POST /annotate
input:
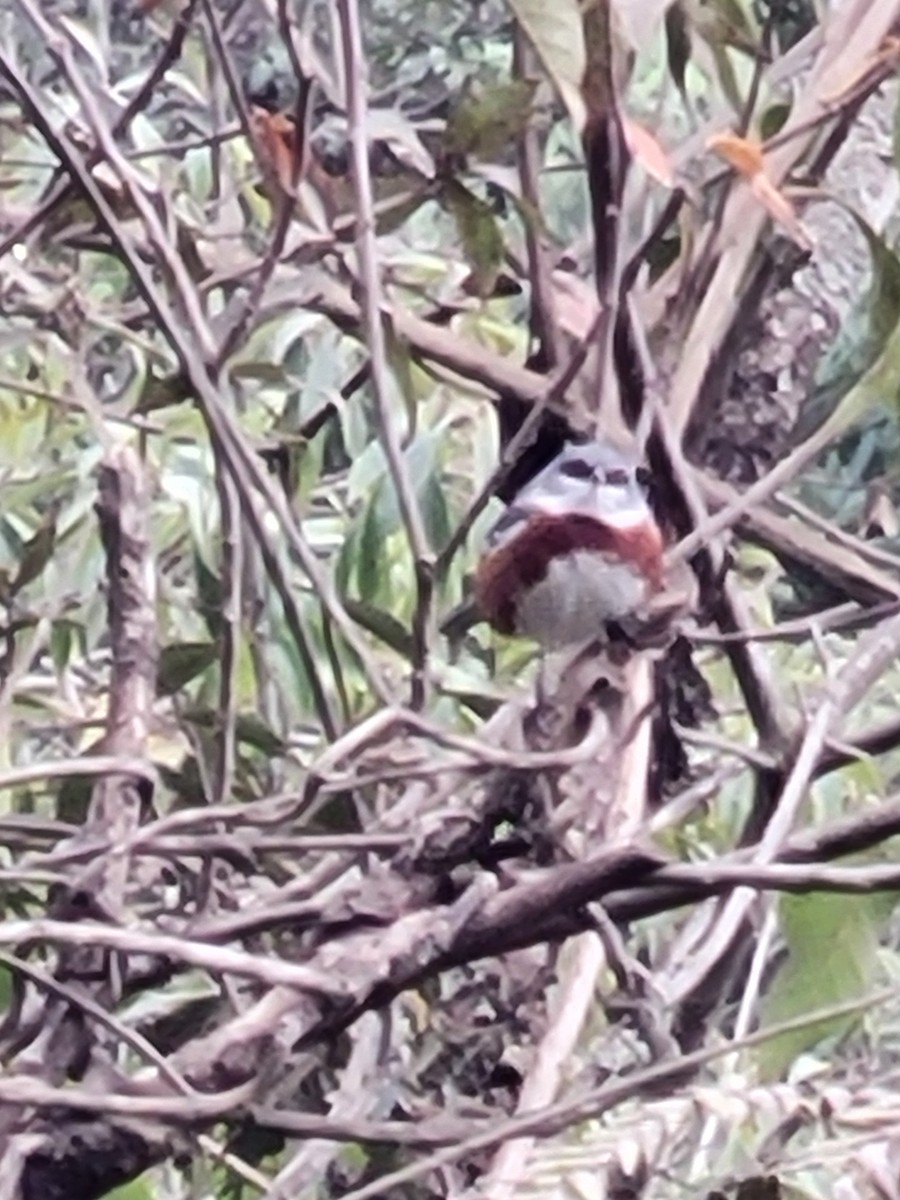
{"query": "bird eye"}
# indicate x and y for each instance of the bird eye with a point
(618, 476)
(576, 468)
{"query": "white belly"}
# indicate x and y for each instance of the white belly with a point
(577, 596)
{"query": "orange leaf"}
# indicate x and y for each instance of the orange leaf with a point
(744, 155)
(276, 142)
(646, 150)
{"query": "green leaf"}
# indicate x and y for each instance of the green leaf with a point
(773, 119)
(158, 393)
(62, 637)
(832, 959)
(865, 774)
(253, 731)
(248, 728)
(346, 562)
(37, 551)
(436, 513)
(377, 525)
(424, 458)
(209, 589)
(480, 235)
(6, 989)
(142, 1188)
(485, 122)
(884, 294)
(474, 694)
(401, 362)
(184, 782)
(74, 797)
(384, 626)
(182, 662)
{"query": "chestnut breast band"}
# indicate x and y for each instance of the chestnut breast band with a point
(522, 561)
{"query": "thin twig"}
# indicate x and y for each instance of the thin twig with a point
(231, 612)
(374, 318)
(842, 617)
(26, 1092)
(543, 320)
(218, 959)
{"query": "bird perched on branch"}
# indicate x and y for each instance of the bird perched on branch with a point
(577, 549)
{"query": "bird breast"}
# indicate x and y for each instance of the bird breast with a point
(579, 593)
(559, 579)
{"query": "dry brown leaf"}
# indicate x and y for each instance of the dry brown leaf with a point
(648, 152)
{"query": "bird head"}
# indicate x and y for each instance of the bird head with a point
(578, 546)
(597, 480)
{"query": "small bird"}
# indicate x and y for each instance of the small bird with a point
(577, 548)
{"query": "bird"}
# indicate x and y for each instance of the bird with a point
(577, 549)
